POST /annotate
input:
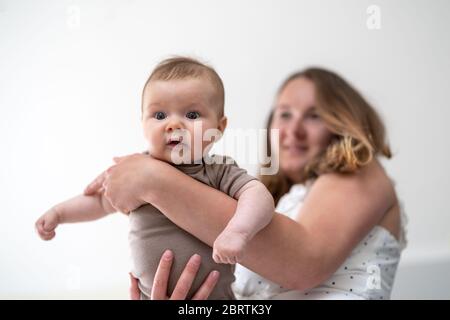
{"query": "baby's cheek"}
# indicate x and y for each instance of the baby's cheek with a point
(206, 144)
(154, 137)
(194, 141)
(154, 144)
(148, 135)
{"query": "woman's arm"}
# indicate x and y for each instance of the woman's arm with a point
(277, 252)
(337, 214)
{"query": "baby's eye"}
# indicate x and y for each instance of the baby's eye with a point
(159, 115)
(192, 115)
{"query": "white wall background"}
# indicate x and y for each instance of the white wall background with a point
(71, 74)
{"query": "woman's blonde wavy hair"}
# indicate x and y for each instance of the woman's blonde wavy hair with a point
(358, 132)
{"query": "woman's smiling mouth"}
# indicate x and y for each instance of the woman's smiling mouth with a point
(296, 149)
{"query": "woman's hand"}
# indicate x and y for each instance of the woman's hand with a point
(96, 186)
(159, 289)
(124, 182)
(134, 289)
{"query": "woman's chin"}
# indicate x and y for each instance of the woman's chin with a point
(293, 164)
(294, 173)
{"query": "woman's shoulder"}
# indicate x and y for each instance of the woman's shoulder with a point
(369, 182)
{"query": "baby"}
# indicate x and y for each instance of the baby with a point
(182, 111)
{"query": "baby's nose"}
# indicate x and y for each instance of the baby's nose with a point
(174, 124)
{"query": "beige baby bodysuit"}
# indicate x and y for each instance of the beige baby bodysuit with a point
(151, 233)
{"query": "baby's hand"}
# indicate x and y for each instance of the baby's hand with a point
(229, 247)
(47, 223)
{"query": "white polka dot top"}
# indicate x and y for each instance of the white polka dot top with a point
(368, 272)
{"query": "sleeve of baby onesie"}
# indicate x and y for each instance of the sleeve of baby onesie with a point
(227, 176)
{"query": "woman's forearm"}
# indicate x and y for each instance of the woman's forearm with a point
(204, 212)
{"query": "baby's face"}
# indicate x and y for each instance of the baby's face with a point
(171, 111)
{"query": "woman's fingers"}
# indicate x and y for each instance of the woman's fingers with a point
(95, 185)
(187, 278)
(160, 283)
(207, 287)
(135, 293)
(159, 289)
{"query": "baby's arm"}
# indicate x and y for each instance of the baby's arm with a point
(254, 211)
(78, 209)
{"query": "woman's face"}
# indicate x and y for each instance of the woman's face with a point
(303, 134)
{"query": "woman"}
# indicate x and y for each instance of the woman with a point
(338, 233)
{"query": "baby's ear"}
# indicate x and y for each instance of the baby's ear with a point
(222, 124)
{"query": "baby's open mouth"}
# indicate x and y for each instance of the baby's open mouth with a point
(174, 141)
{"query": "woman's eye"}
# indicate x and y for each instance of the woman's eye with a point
(285, 115)
(159, 115)
(313, 116)
(192, 115)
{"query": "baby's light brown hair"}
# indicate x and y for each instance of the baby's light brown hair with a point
(180, 67)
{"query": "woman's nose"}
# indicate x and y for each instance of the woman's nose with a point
(296, 128)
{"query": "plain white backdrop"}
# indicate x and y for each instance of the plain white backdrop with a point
(71, 74)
